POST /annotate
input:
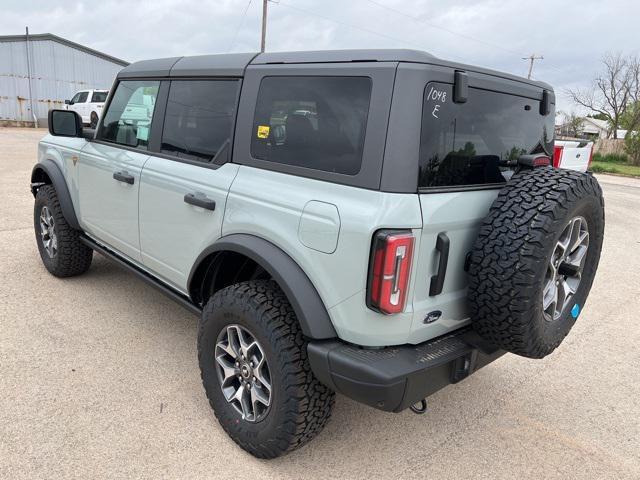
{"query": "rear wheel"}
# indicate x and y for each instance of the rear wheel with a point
(535, 259)
(94, 120)
(255, 370)
(61, 250)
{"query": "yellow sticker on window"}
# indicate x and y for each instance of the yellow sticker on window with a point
(263, 131)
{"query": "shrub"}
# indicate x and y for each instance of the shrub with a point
(632, 147)
(597, 168)
(610, 158)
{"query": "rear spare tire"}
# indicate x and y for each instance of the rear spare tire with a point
(535, 258)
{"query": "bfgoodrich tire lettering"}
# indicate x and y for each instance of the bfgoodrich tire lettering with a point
(511, 257)
(70, 256)
(300, 405)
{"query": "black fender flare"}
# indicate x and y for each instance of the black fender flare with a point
(305, 300)
(52, 171)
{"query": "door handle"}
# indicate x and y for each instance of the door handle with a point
(124, 177)
(437, 280)
(200, 201)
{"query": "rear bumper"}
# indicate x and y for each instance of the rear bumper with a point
(395, 378)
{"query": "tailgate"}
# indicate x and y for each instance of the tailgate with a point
(468, 151)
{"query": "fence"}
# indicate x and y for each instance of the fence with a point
(606, 146)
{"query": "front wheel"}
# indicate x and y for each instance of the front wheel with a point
(61, 250)
(94, 120)
(255, 370)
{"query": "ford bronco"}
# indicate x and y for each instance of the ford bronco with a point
(379, 223)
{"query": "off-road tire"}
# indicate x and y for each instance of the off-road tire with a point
(300, 405)
(509, 260)
(72, 257)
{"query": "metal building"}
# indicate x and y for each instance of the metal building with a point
(56, 68)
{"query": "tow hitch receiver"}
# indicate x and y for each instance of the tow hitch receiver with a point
(463, 366)
(419, 407)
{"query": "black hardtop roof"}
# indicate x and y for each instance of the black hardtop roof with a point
(234, 64)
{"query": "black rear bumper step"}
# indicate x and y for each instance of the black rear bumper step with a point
(394, 378)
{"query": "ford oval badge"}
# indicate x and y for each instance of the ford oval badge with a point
(432, 316)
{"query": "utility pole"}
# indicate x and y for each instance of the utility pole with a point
(532, 59)
(33, 114)
(264, 25)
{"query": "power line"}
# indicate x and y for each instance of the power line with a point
(444, 29)
(413, 18)
(244, 14)
(453, 32)
(373, 32)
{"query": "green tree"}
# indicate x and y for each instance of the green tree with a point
(632, 147)
(630, 119)
(598, 116)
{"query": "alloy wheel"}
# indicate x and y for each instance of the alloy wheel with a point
(243, 372)
(564, 271)
(48, 232)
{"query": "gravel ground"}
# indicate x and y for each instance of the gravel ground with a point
(99, 379)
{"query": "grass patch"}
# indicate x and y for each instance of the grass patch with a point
(616, 164)
(615, 168)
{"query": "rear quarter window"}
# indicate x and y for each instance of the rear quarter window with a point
(99, 97)
(477, 143)
(312, 122)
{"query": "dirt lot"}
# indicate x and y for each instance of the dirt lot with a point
(99, 379)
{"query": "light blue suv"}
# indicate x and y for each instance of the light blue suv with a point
(380, 223)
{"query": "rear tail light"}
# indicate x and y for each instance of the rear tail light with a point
(534, 161)
(390, 270)
(590, 156)
(541, 161)
(557, 155)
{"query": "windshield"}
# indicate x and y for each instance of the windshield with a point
(478, 142)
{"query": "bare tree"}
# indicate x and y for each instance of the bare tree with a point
(572, 124)
(633, 110)
(613, 91)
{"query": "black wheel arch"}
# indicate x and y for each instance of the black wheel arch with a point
(294, 282)
(48, 173)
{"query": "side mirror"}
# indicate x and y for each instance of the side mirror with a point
(68, 102)
(65, 123)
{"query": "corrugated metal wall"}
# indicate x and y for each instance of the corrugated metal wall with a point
(57, 72)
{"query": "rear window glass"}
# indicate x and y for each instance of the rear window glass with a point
(312, 122)
(198, 120)
(478, 142)
(99, 97)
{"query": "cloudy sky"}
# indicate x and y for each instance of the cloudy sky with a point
(572, 36)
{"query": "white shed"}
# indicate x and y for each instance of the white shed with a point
(56, 69)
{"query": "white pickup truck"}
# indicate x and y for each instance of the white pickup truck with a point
(88, 104)
(572, 154)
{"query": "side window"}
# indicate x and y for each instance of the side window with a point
(82, 97)
(127, 120)
(312, 122)
(198, 118)
(99, 97)
(76, 98)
